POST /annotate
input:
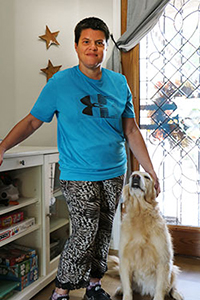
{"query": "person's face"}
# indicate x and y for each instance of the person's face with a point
(91, 48)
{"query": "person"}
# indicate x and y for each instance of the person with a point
(95, 116)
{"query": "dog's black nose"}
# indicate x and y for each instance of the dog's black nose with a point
(135, 181)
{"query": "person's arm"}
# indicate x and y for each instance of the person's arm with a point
(19, 133)
(138, 147)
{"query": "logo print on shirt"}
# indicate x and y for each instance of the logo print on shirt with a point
(91, 108)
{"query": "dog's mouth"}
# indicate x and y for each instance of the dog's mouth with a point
(136, 182)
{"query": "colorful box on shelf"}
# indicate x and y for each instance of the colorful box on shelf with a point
(23, 281)
(19, 270)
(13, 253)
(16, 229)
(25, 272)
(27, 279)
(11, 219)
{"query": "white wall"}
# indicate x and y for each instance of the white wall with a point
(23, 54)
(7, 103)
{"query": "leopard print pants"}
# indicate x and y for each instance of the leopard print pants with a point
(92, 206)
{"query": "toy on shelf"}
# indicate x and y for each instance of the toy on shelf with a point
(11, 219)
(18, 264)
(9, 193)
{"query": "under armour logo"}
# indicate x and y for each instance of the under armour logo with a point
(100, 105)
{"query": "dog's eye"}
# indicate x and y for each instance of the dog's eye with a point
(145, 176)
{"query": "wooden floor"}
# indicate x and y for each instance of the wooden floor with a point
(188, 283)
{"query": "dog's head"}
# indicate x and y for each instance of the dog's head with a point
(141, 187)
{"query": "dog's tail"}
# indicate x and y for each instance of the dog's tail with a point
(113, 266)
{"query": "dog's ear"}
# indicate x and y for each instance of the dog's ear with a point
(151, 194)
(125, 196)
(125, 192)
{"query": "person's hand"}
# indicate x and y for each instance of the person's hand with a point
(1, 155)
(156, 183)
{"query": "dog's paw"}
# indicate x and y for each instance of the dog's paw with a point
(113, 266)
(127, 297)
(174, 294)
(158, 298)
(119, 291)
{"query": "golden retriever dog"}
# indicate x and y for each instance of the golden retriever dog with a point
(145, 250)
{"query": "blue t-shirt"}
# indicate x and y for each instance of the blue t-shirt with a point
(89, 115)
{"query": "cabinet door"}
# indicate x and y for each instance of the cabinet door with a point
(56, 214)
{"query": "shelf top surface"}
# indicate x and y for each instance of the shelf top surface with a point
(29, 150)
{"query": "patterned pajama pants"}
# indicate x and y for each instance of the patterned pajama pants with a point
(92, 206)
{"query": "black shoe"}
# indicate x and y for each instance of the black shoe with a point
(96, 293)
(60, 298)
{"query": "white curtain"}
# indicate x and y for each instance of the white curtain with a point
(142, 16)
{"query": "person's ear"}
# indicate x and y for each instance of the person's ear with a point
(75, 46)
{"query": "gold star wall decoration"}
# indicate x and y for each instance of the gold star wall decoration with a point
(50, 37)
(50, 70)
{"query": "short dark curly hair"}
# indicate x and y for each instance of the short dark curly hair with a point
(93, 23)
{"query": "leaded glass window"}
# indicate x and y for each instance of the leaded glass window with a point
(170, 108)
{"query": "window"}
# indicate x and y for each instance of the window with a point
(170, 108)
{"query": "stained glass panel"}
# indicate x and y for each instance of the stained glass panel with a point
(170, 108)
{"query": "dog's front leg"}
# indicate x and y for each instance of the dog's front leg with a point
(162, 281)
(126, 279)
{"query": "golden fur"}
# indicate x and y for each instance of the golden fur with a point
(145, 250)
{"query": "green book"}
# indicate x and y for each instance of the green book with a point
(6, 288)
